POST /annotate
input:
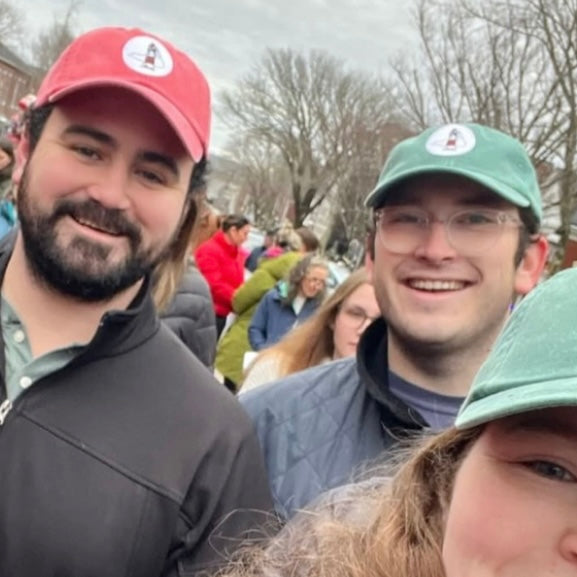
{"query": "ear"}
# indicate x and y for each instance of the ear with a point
(21, 156)
(532, 266)
(369, 265)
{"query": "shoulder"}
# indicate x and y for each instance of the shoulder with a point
(285, 397)
(263, 370)
(209, 406)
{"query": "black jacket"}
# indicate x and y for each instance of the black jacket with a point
(126, 462)
(317, 428)
(190, 316)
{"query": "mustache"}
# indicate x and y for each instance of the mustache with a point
(110, 220)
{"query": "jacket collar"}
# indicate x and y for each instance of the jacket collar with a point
(373, 368)
(221, 240)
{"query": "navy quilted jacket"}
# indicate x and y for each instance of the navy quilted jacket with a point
(320, 427)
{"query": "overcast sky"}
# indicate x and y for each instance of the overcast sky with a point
(225, 37)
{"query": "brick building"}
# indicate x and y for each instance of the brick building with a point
(16, 80)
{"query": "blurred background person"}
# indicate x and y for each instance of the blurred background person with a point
(333, 332)
(234, 344)
(8, 216)
(221, 260)
(208, 224)
(257, 252)
(182, 295)
(289, 303)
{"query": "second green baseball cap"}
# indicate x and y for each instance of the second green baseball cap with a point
(532, 364)
(482, 154)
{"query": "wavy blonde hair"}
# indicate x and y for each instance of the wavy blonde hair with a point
(390, 529)
(168, 274)
(311, 343)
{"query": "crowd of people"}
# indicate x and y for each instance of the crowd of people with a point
(404, 424)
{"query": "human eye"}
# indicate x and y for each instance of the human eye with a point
(550, 470)
(476, 218)
(356, 313)
(86, 151)
(404, 216)
(151, 176)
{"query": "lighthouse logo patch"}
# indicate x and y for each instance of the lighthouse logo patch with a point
(147, 56)
(451, 140)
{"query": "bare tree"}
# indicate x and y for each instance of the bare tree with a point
(305, 109)
(510, 64)
(11, 23)
(263, 180)
(53, 40)
(370, 144)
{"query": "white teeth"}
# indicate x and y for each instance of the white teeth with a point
(437, 285)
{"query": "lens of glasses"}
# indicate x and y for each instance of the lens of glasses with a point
(471, 231)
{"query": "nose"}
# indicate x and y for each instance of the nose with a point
(435, 245)
(568, 546)
(111, 187)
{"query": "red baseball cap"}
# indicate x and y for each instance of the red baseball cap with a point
(141, 62)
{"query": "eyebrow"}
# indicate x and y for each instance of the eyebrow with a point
(98, 135)
(104, 138)
(162, 159)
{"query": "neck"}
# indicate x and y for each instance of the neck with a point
(447, 372)
(41, 309)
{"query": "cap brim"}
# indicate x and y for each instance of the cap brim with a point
(184, 127)
(521, 399)
(377, 196)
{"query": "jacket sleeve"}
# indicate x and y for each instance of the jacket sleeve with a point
(257, 334)
(228, 502)
(252, 291)
(210, 267)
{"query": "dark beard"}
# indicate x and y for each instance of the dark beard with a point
(79, 270)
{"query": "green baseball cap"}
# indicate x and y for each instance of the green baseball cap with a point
(485, 155)
(533, 363)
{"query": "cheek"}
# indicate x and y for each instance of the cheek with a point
(339, 338)
(160, 217)
(489, 524)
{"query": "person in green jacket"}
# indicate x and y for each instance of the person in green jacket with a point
(234, 343)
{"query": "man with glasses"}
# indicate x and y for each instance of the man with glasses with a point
(456, 211)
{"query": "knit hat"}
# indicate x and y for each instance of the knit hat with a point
(482, 154)
(532, 365)
(141, 62)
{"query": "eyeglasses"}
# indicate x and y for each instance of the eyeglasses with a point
(402, 229)
(314, 280)
(357, 317)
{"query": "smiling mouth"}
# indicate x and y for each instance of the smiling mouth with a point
(93, 226)
(437, 285)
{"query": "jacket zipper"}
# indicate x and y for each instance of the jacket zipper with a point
(5, 408)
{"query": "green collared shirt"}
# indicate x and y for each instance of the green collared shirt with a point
(22, 370)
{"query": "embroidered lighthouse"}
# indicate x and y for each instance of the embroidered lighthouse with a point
(452, 139)
(151, 56)
(147, 56)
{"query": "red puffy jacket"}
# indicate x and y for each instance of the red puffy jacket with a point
(222, 265)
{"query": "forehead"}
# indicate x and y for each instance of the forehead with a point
(317, 270)
(560, 421)
(359, 295)
(431, 190)
(120, 113)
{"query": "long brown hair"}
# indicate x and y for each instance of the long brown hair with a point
(311, 343)
(391, 529)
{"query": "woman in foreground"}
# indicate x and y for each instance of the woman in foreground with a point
(495, 496)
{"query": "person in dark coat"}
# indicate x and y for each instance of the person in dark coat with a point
(257, 252)
(190, 315)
